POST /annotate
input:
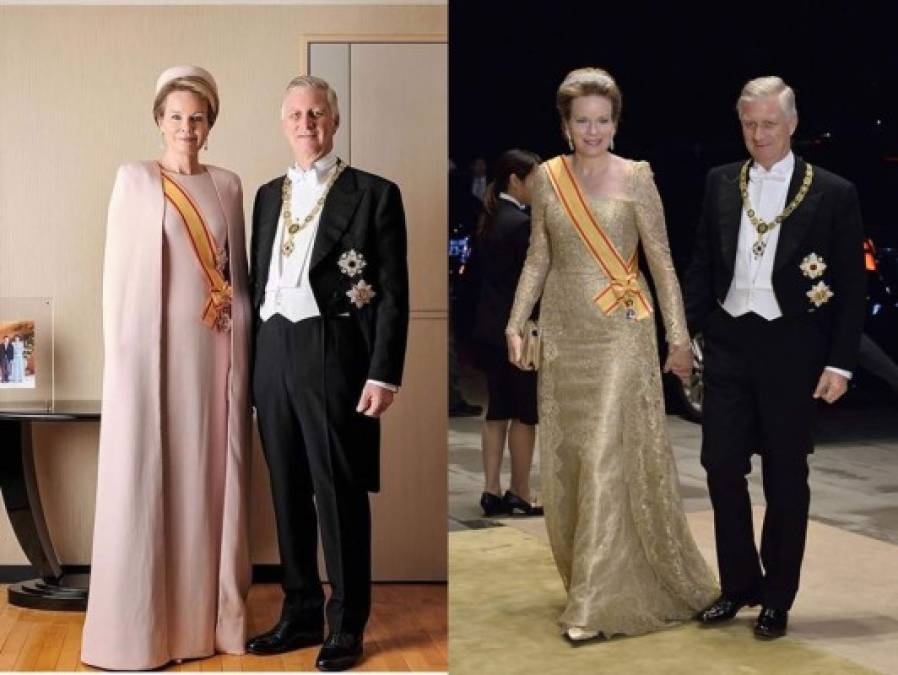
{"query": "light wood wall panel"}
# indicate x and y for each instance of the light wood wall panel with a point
(391, 84)
(76, 89)
(396, 93)
(331, 62)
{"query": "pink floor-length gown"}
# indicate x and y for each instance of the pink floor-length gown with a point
(180, 619)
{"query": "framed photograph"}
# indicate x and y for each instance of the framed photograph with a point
(26, 352)
(18, 367)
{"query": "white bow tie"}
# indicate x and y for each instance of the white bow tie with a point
(299, 176)
(757, 172)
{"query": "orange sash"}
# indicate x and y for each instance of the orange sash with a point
(623, 288)
(217, 310)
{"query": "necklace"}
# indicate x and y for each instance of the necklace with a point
(763, 227)
(293, 227)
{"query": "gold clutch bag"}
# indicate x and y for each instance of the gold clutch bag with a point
(532, 346)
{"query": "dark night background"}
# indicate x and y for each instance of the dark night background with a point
(680, 67)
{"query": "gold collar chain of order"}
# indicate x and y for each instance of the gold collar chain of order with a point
(763, 227)
(293, 227)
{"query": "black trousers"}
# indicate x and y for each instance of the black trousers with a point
(759, 380)
(307, 379)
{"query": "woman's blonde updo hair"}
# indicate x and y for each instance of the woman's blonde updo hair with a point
(588, 82)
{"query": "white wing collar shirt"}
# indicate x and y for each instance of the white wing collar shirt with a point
(288, 291)
(752, 289)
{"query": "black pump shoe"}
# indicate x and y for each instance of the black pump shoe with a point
(518, 507)
(492, 505)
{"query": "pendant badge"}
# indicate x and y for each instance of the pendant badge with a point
(757, 248)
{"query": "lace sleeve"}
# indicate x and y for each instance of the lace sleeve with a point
(653, 235)
(536, 266)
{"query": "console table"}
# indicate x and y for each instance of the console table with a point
(18, 482)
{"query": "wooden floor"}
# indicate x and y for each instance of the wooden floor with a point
(407, 632)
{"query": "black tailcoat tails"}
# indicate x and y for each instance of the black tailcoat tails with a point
(307, 380)
(760, 375)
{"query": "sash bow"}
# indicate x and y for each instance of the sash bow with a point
(218, 306)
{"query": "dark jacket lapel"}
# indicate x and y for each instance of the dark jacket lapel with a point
(267, 221)
(729, 209)
(338, 209)
(796, 226)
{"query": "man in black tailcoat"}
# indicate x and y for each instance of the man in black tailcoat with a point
(776, 287)
(330, 295)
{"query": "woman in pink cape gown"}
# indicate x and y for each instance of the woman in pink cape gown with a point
(170, 568)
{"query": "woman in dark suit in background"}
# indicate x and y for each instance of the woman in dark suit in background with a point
(504, 235)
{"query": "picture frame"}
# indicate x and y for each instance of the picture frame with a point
(26, 353)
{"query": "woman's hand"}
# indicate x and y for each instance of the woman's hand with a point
(515, 344)
(680, 362)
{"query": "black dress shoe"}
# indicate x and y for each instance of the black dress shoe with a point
(465, 409)
(287, 635)
(519, 507)
(771, 623)
(724, 609)
(341, 651)
(492, 505)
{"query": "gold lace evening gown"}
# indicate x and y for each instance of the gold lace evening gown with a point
(608, 479)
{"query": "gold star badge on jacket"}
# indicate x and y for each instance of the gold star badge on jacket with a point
(361, 293)
(820, 293)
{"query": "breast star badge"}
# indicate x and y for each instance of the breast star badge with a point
(820, 293)
(812, 266)
(351, 263)
(361, 293)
